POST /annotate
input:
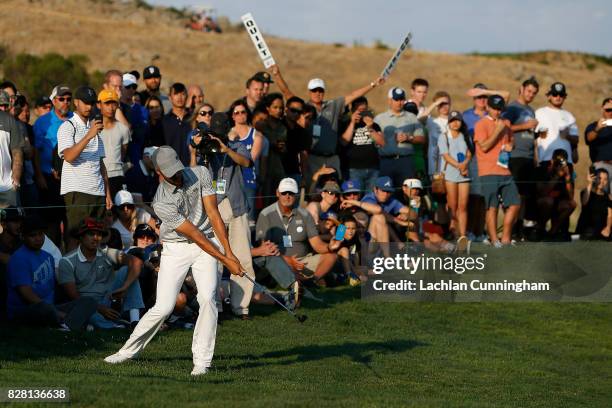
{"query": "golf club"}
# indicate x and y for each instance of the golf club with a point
(300, 318)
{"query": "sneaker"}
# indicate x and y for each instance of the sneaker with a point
(288, 299)
(118, 358)
(199, 370)
(462, 244)
(63, 327)
(479, 238)
(353, 279)
(529, 223)
(448, 247)
(297, 292)
(498, 244)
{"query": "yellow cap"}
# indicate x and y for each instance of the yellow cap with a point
(106, 95)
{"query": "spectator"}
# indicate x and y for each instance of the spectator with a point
(31, 285)
(141, 178)
(297, 121)
(253, 93)
(11, 90)
(276, 133)
(522, 158)
(152, 80)
(294, 232)
(595, 219)
(349, 251)
(12, 143)
(363, 136)
(330, 199)
(115, 136)
(598, 136)
(401, 131)
(325, 126)
(455, 157)
(494, 142)
(45, 141)
(555, 196)
(266, 79)
(43, 106)
(28, 193)
(107, 285)
(418, 93)
(436, 127)
(144, 236)
(138, 115)
(154, 135)
(176, 123)
(84, 181)
(128, 217)
(5, 102)
(10, 240)
(396, 214)
(195, 97)
(113, 81)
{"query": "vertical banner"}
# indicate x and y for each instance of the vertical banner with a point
(393, 61)
(258, 40)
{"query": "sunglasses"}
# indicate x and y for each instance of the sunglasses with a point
(151, 107)
(296, 111)
(608, 110)
(64, 98)
(242, 112)
(287, 193)
(557, 94)
(206, 113)
(133, 86)
(128, 206)
(481, 97)
(318, 90)
(332, 193)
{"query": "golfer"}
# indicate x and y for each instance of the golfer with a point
(192, 233)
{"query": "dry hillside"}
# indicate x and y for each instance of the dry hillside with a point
(121, 34)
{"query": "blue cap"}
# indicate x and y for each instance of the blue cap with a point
(397, 94)
(384, 184)
(351, 186)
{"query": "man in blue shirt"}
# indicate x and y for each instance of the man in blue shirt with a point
(45, 141)
(396, 214)
(31, 285)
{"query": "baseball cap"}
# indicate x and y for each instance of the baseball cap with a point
(384, 183)
(263, 76)
(5, 99)
(143, 230)
(332, 187)
(558, 88)
(90, 224)
(129, 79)
(351, 186)
(151, 72)
(43, 100)
(496, 102)
(480, 85)
(106, 95)
(123, 197)
(316, 83)
(31, 224)
(455, 115)
(135, 73)
(166, 160)
(148, 151)
(60, 90)
(413, 183)
(397, 94)
(86, 94)
(411, 107)
(288, 185)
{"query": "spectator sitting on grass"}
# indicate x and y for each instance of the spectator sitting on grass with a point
(129, 216)
(350, 250)
(396, 214)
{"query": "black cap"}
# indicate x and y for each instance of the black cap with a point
(411, 107)
(135, 73)
(496, 102)
(455, 115)
(43, 100)
(31, 224)
(151, 72)
(263, 76)
(12, 214)
(86, 94)
(557, 88)
(143, 230)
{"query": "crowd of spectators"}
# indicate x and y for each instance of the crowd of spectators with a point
(309, 187)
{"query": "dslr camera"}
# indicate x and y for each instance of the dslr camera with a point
(219, 128)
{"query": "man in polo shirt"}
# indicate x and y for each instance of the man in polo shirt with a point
(324, 130)
(12, 141)
(194, 235)
(254, 92)
(152, 80)
(90, 271)
(293, 230)
(396, 214)
(494, 142)
(84, 181)
(598, 136)
(177, 128)
(45, 141)
(401, 131)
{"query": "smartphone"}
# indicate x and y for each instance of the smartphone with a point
(340, 231)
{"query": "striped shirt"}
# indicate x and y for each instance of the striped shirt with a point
(175, 205)
(83, 174)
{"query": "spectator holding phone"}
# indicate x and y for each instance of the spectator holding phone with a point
(595, 219)
(598, 136)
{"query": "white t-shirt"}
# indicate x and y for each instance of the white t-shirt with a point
(554, 121)
(435, 127)
(113, 139)
(142, 217)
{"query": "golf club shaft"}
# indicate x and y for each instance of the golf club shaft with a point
(267, 292)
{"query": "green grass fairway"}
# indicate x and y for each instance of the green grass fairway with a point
(350, 353)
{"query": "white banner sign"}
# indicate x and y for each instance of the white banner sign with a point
(258, 40)
(393, 61)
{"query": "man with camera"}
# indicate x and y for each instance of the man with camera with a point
(84, 181)
(555, 196)
(224, 155)
(598, 136)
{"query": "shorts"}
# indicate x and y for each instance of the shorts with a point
(524, 174)
(475, 186)
(495, 186)
(311, 261)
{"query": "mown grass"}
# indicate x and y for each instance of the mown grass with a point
(349, 353)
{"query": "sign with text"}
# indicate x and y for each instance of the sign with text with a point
(258, 40)
(398, 53)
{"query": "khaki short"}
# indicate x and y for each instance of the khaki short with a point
(311, 261)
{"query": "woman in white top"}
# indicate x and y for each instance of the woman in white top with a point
(128, 217)
(435, 127)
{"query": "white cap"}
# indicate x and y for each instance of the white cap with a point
(129, 79)
(148, 151)
(123, 197)
(413, 183)
(316, 83)
(288, 184)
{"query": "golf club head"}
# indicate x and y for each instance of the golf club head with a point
(302, 318)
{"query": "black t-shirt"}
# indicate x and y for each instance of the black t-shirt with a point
(594, 214)
(600, 148)
(363, 153)
(298, 139)
(176, 135)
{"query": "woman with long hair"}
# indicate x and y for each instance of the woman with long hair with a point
(203, 114)
(275, 131)
(155, 132)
